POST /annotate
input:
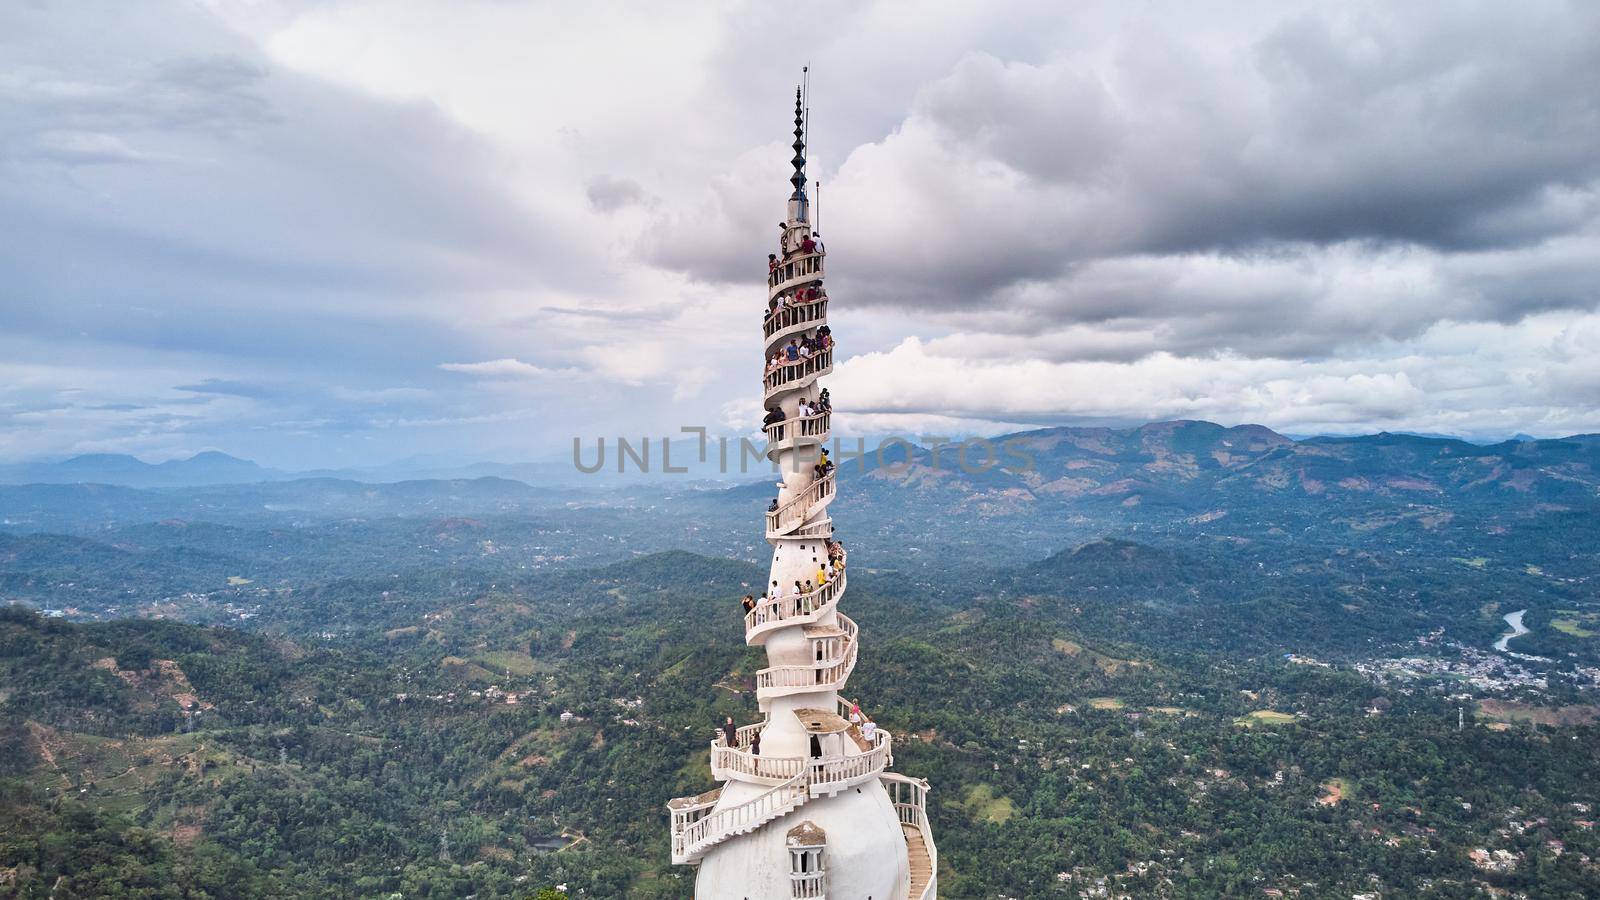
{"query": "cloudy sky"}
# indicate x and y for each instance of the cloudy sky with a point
(350, 232)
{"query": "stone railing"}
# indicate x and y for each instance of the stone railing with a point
(786, 317)
(792, 514)
(693, 836)
(824, 777)
(822, 528)
(823, 675)
(794, 271)
(789, 374)
(686, 811)
(809, 885)
(728, 762)
(743, 736)
(809, 426)
(830, 776)
(801, 609)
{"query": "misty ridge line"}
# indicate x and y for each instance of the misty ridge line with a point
(973, 455)
(218, 467)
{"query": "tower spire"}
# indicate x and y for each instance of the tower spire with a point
(798, 179)
(815, 768)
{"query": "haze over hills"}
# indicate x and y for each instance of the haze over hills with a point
(213, 468)
(210, 467)
(1159, 449)
(1158, 440)
(1067, 486)
(1370, 518)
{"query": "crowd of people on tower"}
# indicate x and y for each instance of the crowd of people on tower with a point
(805, 592)
(800, 350)
(805, 595)
(811, 293)
(824, 465)
(804, 409)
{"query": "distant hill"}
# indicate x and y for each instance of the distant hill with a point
(1073, 485)
(210, 467)
(1127, 565)
(1066, 462)
(92, 506)
(1195, 465)
(214, 468)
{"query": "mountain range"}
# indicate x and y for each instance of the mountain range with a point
(1191, 463)
(1076, 457)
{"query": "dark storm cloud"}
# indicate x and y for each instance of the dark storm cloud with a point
(1228, 193)
(1456, 127)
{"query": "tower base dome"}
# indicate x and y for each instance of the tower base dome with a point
(866, 849)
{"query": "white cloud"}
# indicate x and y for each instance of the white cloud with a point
(1475, 379)
(505, 368)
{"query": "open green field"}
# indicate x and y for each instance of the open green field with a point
(1265, 717)
(1577, 624)
(510, 662)
(1513, 712)
(982, 805)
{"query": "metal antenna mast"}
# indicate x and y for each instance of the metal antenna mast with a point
(805, 81)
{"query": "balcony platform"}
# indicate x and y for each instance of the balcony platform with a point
(821, 721)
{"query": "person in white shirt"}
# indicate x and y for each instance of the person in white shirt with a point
(869, 730)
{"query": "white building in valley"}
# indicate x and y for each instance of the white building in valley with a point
(807, 806)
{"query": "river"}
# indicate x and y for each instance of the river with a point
(1517, 629)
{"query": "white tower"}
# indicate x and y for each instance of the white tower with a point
(814, 813)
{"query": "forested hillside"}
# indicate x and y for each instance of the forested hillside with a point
(1172, 661)
(393, 758)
